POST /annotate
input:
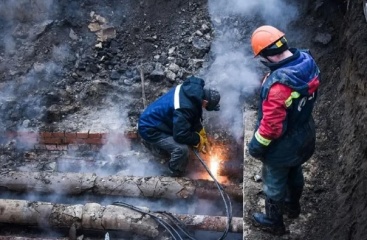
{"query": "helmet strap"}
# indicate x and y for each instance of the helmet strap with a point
(276, 48)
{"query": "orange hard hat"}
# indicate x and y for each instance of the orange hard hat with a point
(265, 37)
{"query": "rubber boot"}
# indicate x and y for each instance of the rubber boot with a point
(292, 206)
(272, 220)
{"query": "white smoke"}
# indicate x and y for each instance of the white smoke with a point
(274, 12)
(25, 10)
(234, 71)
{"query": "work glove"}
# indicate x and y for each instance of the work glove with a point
(204, 145)
(256, 149)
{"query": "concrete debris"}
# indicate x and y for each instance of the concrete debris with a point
(174, 67)
(205, 28)
(98, 45)
(39, 29)
(171, 50)
(257, 178)
(94, 27)
(158, 73)
(98, 18)
(170, 75)
(100, 26)
(106, 33)
(73, 35)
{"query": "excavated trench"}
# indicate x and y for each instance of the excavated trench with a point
(74, 77)
(57, 175)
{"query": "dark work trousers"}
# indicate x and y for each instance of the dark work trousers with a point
(179, 153)
(276, 180)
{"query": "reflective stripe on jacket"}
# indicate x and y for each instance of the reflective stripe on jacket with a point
(285, 131)
(177, 113)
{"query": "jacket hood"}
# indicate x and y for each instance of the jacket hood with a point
(299, 72)
(193, 88)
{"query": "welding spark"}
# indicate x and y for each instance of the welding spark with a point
(214, 165)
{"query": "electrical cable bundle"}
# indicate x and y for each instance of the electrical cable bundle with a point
(224, 195)
(173, 225)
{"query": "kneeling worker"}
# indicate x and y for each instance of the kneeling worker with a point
(172, 123)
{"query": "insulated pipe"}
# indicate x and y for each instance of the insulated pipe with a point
(93, 216)
(117, 185)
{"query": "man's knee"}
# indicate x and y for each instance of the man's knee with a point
(182, 150)
(296, 179)
(179, 158)
(274, 193)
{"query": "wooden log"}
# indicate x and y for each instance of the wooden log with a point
(128, 186)
(93, 216)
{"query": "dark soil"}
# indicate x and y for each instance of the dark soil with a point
(56, 76)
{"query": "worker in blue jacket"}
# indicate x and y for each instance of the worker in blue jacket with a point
(173, 122)
(285, 130)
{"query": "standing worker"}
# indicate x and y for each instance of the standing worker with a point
(173, 122)
(285, 134)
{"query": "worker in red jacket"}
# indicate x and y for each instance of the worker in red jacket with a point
(285, 135)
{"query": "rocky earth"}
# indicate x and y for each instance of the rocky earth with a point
(94, 65)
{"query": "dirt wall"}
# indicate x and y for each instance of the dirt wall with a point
(344, 98)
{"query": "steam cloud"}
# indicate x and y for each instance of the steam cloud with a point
(20, 101)
(234, 71)
(274, 12)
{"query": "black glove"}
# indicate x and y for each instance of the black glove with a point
(256, 149)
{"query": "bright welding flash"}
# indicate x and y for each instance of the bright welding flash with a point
(214, 165)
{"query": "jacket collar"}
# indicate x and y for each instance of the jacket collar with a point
(275, 66)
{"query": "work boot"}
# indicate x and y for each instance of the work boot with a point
(174, 173)
(292, 206)
(272, 220)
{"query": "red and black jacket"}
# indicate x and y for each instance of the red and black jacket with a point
(285, 131)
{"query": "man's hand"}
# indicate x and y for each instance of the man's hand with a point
(256, 149)
(204, 145)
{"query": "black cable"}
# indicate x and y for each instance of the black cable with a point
(170, 229)
(177, 222)
(224, 195)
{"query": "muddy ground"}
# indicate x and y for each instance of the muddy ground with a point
(60, 73)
